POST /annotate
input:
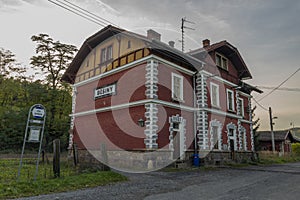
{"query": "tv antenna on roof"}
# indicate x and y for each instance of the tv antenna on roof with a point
(183, 20)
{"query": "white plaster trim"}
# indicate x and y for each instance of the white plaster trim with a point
(244, 132)
(182, 134)
(219, 134)
(151, 126)
(181, 86)
(165, 103)
(217, 95)
(168, 63)
(231, 126)
(232, 100)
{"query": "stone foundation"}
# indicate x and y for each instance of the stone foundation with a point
(143, 161)
(225, 157)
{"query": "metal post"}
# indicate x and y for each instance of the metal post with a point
(272, 133)
(40, 146)
(24, 143)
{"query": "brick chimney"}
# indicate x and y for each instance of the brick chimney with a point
(172, 44)
(206, 43)
(153, 35)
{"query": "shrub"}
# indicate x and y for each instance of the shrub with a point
(296, 148)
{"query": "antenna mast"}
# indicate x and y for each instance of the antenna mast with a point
(183, 20)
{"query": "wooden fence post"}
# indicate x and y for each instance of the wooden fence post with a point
(56, 158)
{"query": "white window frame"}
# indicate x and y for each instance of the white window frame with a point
(228, 100)
(223, 60)
(180, 98)
(242, 112)
(218, 125)
(217, 95)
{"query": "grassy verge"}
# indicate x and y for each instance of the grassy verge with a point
(70, 179)
(275, 159)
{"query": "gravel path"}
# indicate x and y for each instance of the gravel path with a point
(273, 182)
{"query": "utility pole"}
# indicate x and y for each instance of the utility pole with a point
(272, 133)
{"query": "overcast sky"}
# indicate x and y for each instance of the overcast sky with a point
(266, 34)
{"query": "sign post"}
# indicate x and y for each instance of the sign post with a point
(34, 132)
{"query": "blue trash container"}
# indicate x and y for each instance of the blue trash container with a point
(196, 160)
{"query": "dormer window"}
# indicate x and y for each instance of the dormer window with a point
(221, 61)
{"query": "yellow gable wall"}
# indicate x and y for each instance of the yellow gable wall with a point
(91, 65)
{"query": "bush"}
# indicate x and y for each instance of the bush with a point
(296, 148)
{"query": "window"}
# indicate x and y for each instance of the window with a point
(175, 126)
(221, 61)
(214, 133)
(230, 100)
(177, 87)
(109, 53)
(103, 55)
(241, 106)
(128, 44)
(230, 132)
(214, 95)
(106, 54)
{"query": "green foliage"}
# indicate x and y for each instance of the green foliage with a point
(19, 93)
(296, 148)
(256, 125)
(45, 184)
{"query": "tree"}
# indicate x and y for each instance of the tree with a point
(256, 125)
(51, 60)
(7, 60)
(9, 67)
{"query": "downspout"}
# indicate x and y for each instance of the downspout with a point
(195, 113)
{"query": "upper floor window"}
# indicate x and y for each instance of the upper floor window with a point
(230, 100)
(241, 106)
(177, 87)
(214, 95)
(128, 44)
(106, 54)
(221, 61)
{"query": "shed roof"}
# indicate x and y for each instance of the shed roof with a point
(280, 135)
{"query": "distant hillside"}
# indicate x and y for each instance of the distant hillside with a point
(296, 132)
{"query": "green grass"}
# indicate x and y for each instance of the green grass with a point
(274, 159)
(70, 179)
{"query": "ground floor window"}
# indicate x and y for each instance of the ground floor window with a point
(216, 135)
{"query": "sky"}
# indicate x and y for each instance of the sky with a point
(266, 33)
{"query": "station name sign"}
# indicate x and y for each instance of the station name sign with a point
(105, 91)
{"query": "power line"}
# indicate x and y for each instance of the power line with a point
(276, 88)
(264, 108)
(80, 12)
(97, 16)
(282, 88)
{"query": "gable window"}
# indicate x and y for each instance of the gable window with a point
(221, 61)
(128, 44)
(230, 100)
(241, 106)
(106, 54)
(214, 95)
(177, 87)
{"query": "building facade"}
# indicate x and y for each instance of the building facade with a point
(134, 95)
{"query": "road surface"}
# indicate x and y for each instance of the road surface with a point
(253, 182)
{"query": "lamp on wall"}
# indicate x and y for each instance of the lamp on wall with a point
(141, 122)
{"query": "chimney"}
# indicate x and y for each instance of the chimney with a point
(206, 43)
(171, 44)
(153, 35)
